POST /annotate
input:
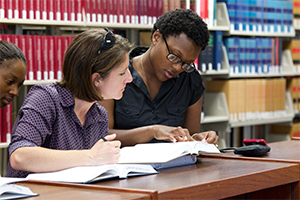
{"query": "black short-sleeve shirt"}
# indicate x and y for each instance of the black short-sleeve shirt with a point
(136, 108)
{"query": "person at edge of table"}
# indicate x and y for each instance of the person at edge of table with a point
(13, 67)
(61, 125)
(164, 100)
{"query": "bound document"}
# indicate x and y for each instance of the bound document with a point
(88, 174)
(164, 152)
(12, 191)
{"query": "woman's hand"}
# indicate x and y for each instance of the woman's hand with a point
(173, 134)
(105, 152)
(208, 136)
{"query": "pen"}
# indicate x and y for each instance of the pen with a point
(103, 138)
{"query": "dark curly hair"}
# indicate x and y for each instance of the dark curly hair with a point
(178, 21)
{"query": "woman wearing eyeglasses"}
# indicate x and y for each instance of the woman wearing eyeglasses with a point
(60, 125)
(163, 102)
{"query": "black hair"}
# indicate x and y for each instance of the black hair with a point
(178, 21)
(9, 51)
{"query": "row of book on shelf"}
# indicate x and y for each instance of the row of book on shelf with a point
(272, 16)
(253, 55)
(294, 88)
(252, 99)
(44, 54)
(107, 11)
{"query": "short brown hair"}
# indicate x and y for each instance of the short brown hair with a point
(81, 60)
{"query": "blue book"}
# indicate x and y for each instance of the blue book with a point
(245, 7)
(251, 43)
(252, 15)
(242, 55)
(239, 14)
(232, 45)
(218, 43)
(270, 15)
(258, 53)
(277, 16)
(259, 10)
(265, 16)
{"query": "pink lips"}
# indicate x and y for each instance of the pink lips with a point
(168, 74)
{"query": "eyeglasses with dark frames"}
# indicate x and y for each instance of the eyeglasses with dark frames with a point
(175, 60)
(108, 41)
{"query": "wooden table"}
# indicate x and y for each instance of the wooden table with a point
(217, 178)
(65, 191)
(285, 152)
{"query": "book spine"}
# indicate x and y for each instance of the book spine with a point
(218, 39)
(51, 57)
(6, 123)
(9, 9)
(45, 63)
(2, 9)
(38, 56)
(105, 10)
(59, 56)
(93, 11)
(30, 59)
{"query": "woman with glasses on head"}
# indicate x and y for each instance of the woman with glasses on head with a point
(60, 125)
(164, 100)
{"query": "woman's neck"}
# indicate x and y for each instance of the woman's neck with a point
(81, 108)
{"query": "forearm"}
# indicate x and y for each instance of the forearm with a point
(38, 159)
(134, 136)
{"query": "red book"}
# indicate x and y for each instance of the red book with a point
(60, 56)
(205, 11)
(45, 60)
(132, 12)
(110, 11)
(50, 10)
(137, 12)
(86, 6)
(37, 9)
(120, 11)
(93, 11)
(65, 9)
(126, 11)
(72, 10)
(149, 10)
(115, 11)
(9, 9)
(30, 58)
(43, 5)
(6, 123)
(51, 57)
(16, 40)
(16, 9)
(23, 9)
(154, 11)
(99, 10)
(2, 9)
(78, 10)
(7, 37)
(160, 8)
(105, 10)
(30, 10)
(57, 10)
(37, 46)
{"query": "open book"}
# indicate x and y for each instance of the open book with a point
(88, 174)
(164, 152)
(11, 191)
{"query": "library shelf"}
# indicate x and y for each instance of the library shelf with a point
(34, 82)
(3, 145)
